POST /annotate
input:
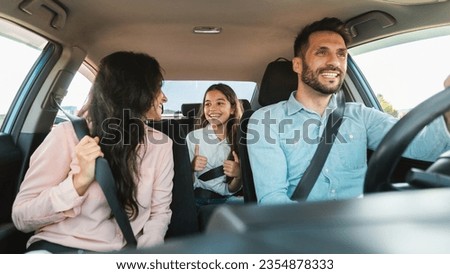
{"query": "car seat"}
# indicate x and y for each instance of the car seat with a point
(184, 213)
(279, 80)
(191, 111)
(248, 187)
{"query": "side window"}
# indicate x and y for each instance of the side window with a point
(405, 70)
(19, 50)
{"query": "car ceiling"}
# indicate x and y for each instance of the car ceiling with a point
(254, 32)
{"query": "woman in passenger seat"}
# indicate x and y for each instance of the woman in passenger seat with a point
(59, 198)
(213, 147)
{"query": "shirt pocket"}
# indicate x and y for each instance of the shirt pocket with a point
(352, 150)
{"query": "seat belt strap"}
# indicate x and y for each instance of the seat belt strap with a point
(312, 172)
(105, 178)
(212, 174)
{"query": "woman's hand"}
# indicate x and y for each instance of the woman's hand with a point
(86, 151)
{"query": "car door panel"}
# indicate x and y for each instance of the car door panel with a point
(10, 162)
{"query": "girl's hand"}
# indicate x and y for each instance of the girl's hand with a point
(86, 151)
(199, 162)
(231, 168)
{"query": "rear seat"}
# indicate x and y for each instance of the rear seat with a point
(184, 219)
(191, 111)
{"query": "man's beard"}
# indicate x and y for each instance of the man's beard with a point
(312, 79)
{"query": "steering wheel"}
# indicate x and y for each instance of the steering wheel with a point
(385, 158)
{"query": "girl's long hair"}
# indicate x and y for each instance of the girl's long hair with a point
(124, 90)
(234, 120)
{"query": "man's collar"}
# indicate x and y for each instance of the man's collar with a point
(293, 106)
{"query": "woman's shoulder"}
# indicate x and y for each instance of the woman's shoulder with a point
(63, 129)
(61, 138)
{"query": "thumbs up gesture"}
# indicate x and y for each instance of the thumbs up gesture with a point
(199, 162)
(231, 168)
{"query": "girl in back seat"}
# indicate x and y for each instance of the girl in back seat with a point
(213, 147)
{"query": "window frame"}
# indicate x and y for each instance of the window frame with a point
(32, 82)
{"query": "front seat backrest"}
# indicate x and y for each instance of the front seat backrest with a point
(248, 186)
(278, 82)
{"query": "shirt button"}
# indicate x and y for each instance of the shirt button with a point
(351, 136)
(326, 170)
(333, 191)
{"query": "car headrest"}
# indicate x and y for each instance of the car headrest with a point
(245, 104)
(192, 109)
(278, 82)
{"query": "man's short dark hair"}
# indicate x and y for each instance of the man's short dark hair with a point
(326, 24)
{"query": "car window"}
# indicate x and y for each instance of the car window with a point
(177, 92)
(19, 50)
(407, 69)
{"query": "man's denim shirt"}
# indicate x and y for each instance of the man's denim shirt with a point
(283, 137)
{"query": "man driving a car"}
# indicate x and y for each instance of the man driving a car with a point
(292, 129)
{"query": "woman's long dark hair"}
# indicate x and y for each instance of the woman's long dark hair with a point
(124, 90)
(233, 122)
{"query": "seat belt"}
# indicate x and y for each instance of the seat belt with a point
(105, 178)
(312, 172)
(212, 174)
